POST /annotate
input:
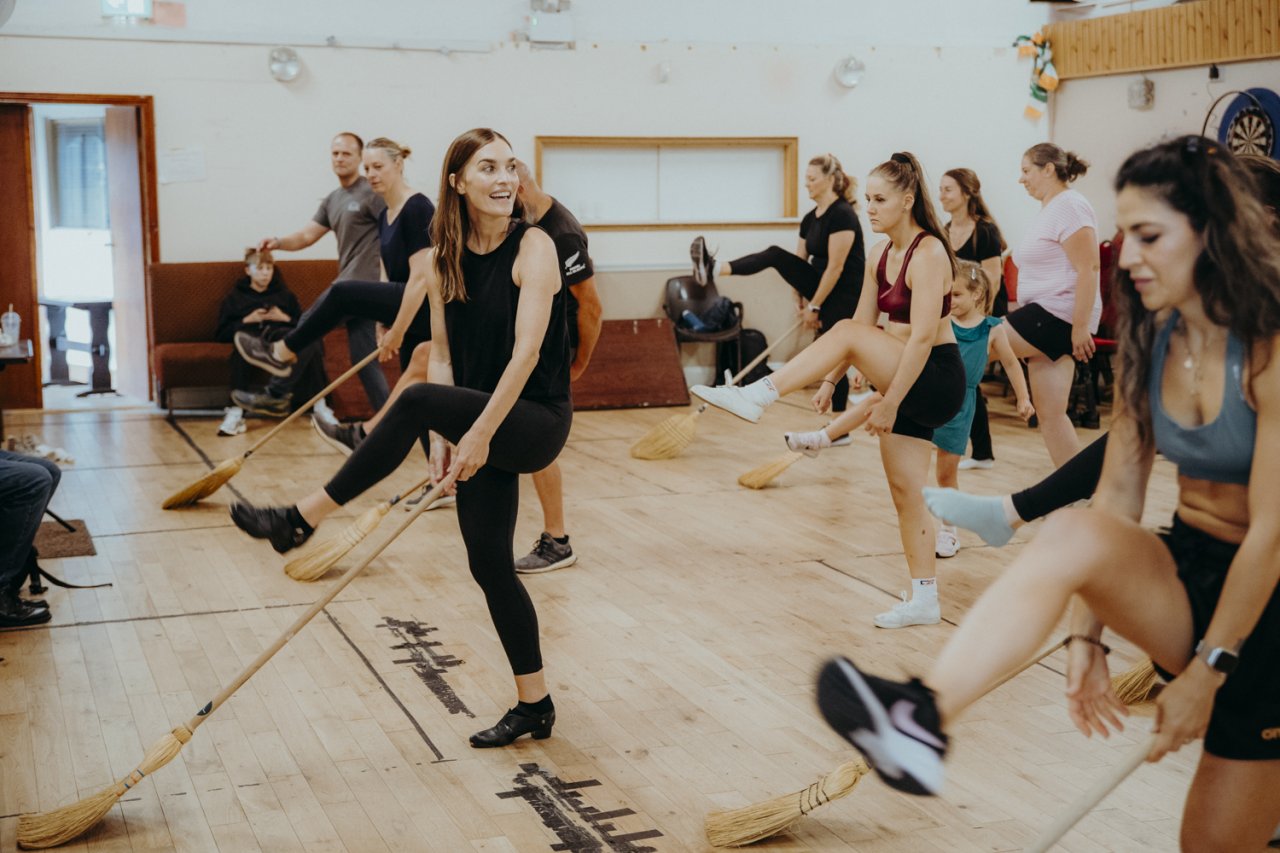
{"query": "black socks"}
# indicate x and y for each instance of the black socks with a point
(535, 709)
(296, 519)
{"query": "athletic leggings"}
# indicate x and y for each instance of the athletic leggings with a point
(528, 440)
(801, 275)
(980, 430)
(1076, 480)
(372, 300)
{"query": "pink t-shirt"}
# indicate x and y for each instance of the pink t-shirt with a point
(1045, 274)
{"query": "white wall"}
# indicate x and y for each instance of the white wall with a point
(1091, 116)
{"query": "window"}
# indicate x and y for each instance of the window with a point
(79, 174)
(641, 183)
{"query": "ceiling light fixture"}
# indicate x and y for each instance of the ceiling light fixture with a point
(848, 72)
(284, 64)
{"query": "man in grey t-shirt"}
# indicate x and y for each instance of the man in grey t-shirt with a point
(351, 212)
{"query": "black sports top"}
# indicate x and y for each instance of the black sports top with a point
(482, 330)
(408, 234)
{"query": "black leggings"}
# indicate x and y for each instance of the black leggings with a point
(528, 440)
(980, 429)
(372, 300)
(801, 275)
(1076, 480)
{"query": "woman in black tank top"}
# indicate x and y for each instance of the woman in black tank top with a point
(496, 402)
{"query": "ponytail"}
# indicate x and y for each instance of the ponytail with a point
(902, 170)
(843, 184)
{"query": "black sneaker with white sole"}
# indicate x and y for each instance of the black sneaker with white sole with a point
(262, 404)
(258, 352)
(894, 724)
(344, 438)
(547, 556)
(703, 260)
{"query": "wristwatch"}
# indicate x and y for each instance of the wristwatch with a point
(1218, 659)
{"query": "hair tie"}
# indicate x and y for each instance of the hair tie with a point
(899, 157)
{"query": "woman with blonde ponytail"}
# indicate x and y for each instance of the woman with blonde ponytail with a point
(914, 364)
(496, 402)
(826, 268)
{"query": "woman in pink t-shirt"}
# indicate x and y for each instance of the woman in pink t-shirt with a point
(1057, 290)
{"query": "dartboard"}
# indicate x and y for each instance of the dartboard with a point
(1251, 123)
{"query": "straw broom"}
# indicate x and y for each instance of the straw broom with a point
(313, 564)
(758, 478)
(1137, 687)
(669, 439)
(215, 479)
(50, 829)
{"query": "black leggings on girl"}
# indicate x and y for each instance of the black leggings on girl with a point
(372, 300)
(1076, 480)
(528, 440)
(801, 275)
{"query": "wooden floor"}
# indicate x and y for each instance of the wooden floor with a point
(680, 651)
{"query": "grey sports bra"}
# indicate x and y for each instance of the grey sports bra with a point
(1220, 451)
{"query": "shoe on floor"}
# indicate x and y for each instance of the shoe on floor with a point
(947, 542)
(262, 404)
(970, 464)
(344, 438)
(910, 612)
(258, 352)
(703, 261)
(322, 411)
(16, 613)
(271, 523)
(895, 725)
(732, 399)
(809, 443)
(547, 556)
(232, 422)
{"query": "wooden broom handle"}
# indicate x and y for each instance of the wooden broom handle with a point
(301, 410)
(752, 364)
(1090, 798)
(341, 584)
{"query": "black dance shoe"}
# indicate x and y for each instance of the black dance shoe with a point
(271, 523)
(16, 613)
(512, 725)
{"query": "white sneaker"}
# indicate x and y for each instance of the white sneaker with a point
(732, 399)
(948, 541)
(322, 411)
(232, 422)
(969, 463)
(809, 443)
(910, 612)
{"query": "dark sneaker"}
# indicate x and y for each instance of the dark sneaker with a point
(703, 261)
(271, 523)
(438, 503)
(16, 613)
(257, 352)
(895, 725)
(547, 556)
(262, 404)
(344, 438)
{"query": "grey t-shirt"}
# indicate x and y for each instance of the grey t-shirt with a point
(351, 213)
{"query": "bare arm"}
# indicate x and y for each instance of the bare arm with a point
(991, 267)
(839, 245)
(300, 239)
(999, 343)
(930, 279)
(421, 269)
(589, 313)
(1082, 251)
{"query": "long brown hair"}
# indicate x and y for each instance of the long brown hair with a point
(902, 170)
(844, 185)
(969, 184)
(1237, 274)
(451, 223)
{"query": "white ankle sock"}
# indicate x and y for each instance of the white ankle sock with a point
(824, 438)
(761, 392)
(924, 589)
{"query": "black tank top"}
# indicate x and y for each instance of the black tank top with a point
(482, 330)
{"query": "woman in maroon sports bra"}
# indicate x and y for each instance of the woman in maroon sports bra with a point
(914, 363)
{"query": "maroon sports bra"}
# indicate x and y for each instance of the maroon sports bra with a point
(896, 300)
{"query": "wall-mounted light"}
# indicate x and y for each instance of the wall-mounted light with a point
(127, 12)
(284, 64)
(848, 72)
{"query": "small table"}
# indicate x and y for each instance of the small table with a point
(20, 353)
(98, 346)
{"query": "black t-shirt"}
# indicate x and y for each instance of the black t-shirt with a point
(984, 243)
(409, 233)
(816, 230)
(571, 249)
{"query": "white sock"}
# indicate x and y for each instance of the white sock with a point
(761, 392)
(924, 589)
(824, 438)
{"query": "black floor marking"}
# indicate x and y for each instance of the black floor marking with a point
(173, 422)
(429, 665)
(394, 698)
(580, 828)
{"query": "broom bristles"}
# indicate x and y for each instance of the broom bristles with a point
(206, 485)
(51, 829)
(668, 439)
(1136, 687)
(758, 478)
(750, 824)
(316, 562)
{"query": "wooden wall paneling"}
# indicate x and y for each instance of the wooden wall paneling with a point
(19, 383)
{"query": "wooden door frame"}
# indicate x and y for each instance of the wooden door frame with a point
(145, 105)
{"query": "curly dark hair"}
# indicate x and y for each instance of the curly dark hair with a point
(1237, 274)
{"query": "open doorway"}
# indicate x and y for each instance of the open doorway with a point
(85, 164)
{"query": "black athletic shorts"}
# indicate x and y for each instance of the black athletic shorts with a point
(936, 396)
(1245, 725)
(1047, 333)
